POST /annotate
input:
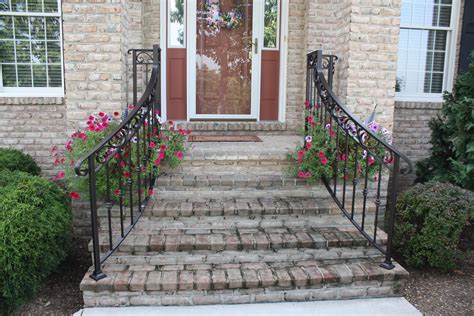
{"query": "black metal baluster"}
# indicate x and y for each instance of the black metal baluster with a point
(120, 189)
(365, 191)
(130, 181)
(355, 180)
(336, 161)
(388, 264)
(345, 171)
(377, 202)
(108, 203)
(138, 170)
(97, 274)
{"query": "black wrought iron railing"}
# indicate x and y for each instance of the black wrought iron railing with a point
(366, 167)
(119, 168)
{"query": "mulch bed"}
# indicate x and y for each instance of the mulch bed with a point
(432, 292)
(60, 295)
(435, 293)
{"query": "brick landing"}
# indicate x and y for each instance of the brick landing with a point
(230, 226)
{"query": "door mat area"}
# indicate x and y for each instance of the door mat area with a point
(224, 138)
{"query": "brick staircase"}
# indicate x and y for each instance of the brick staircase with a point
(230, 226)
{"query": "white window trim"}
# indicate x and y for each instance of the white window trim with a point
(449, 61)
(168, 21)
(37, 91)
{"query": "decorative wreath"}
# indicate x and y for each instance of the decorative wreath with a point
(217, 19)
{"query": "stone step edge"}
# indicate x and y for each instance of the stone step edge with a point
(220, 240)
(123, 278)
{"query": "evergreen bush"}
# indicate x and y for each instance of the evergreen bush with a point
(429, 222)
(452, 138)
(12, 159)
(35, 230)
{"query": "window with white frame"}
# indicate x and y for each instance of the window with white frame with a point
(426, 49)
(30, 48)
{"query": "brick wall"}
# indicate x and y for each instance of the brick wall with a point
(33, 125)
(412, 133)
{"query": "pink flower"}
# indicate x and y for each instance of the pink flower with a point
(321, 154)
(313, 124)
(74, 195)
(306, 103)
(130, 106)
(179, 155)
(301, 174)
(54, 148)
(376, 178)
(116, 113)
(126, 174)
(331, 133)
(91, 118)
(300, 160)
(300, 153)
(101, 114)
(346, 177)
(163, 147)
(308, 145)
(61, 175)
(157, 161)
(170, 122)
(150, 192)
(117, 192)
(310, 118)
(152, 145)
(308, 174)
(371, 160)
(324, 161)
(162, 155)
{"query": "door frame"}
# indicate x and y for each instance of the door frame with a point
(257, 35)
(284, 18)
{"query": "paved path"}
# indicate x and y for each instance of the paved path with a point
(395, 306)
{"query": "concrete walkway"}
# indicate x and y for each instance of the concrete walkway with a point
(371, 307)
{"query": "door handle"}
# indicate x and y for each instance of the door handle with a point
(255, 44)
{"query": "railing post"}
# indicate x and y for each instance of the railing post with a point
(388, 264)
(135, 91)
(330, 71)
(97, 274)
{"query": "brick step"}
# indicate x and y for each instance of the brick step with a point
(247, 185)
(240, 207)
(235, 128)
(323, 256)
(154, 225)
(215, 164)
(225, 283)
(143, 241)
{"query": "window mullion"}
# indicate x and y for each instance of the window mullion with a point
(31, 52)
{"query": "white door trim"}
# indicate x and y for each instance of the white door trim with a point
(283, 60)
(257, 33)
(163, 46)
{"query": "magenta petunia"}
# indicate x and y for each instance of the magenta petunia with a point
(321, 154)
(324, 161)
(74, 195)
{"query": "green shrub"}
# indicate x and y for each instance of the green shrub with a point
(452, 138)
(429, 222)
(35, 229)
(13, 159)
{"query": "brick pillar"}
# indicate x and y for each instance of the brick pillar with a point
(95, 43)
(372, 58)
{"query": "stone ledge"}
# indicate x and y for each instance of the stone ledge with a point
(31, 101)
(417, 105)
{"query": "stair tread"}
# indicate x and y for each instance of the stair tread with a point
(144, 240)
(232, 276)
